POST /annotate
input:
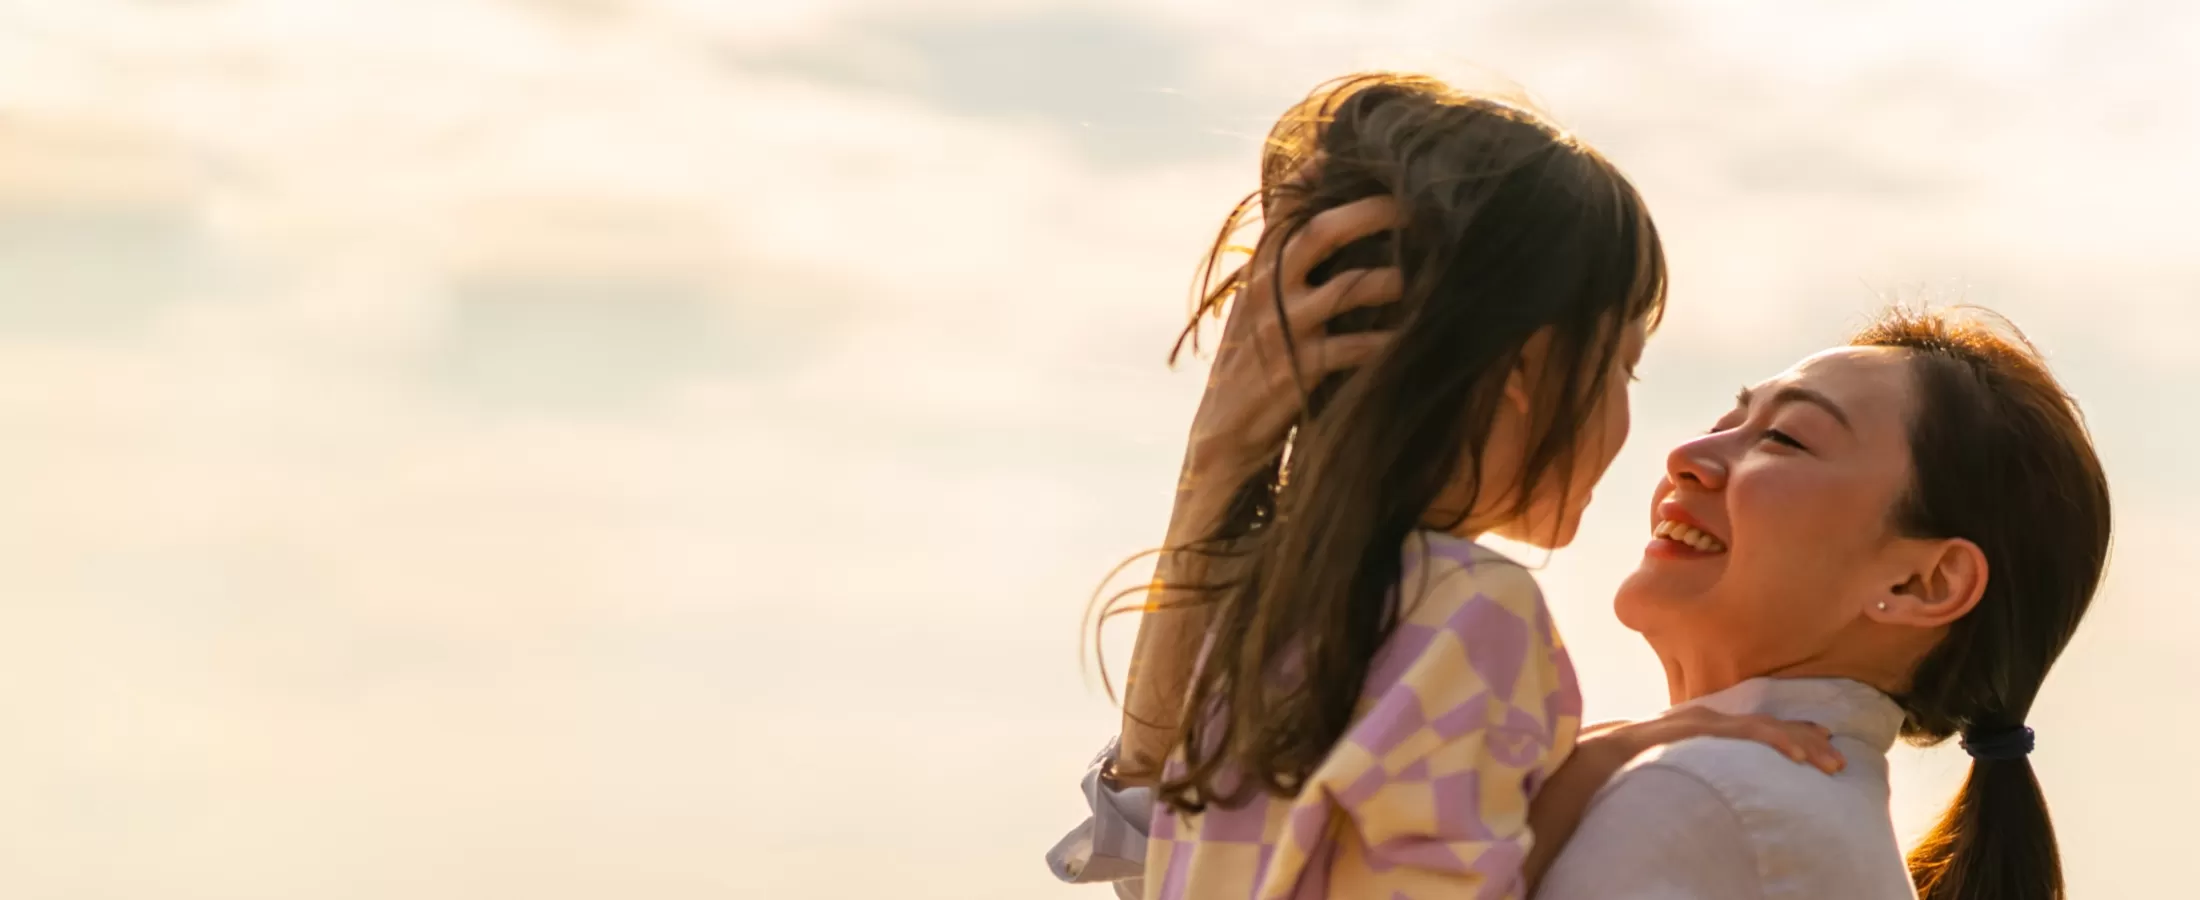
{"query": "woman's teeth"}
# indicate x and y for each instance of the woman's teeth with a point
(1690, 535)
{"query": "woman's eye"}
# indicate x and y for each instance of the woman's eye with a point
(1781, 437)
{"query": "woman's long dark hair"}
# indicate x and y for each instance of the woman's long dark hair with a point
(2001, 457)
(1510, 228)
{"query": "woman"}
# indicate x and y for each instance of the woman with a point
(1895, 537)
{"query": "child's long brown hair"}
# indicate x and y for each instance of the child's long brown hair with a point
(1510, 227)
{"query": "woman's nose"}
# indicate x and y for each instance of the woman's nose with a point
(1698, 463)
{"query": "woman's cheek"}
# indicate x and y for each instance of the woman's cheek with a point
(1751, 516)
(1776, 512)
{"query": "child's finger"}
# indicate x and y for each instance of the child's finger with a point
(1334, 228)
(1820, 740)
(1816, 744)
(1283, 202)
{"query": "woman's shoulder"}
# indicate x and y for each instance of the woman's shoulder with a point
(1830, 833)
(1771, 791)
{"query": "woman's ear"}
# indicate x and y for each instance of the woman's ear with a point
(1944, 584)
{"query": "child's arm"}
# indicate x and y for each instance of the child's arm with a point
(1251, 401)
(1169, 632)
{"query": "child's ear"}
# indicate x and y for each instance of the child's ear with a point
(1519, 384)
(1516, 390)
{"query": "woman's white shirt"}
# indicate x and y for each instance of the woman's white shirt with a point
(1720, 818)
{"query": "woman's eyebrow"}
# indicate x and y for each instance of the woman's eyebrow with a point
(1795, 394)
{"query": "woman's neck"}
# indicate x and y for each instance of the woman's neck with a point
(1689, 676)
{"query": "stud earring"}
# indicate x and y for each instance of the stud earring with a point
(1882, 606)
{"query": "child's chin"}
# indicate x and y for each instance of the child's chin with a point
(1542, 536)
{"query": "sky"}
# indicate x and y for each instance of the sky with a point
(664, 448)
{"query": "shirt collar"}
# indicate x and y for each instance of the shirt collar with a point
(1847, 708)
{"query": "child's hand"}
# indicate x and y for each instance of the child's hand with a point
(1804, 742)
(1278, 318)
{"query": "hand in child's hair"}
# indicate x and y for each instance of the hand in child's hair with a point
(1254, 393)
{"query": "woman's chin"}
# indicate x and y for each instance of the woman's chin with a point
(1632, 614)
(1655, 591)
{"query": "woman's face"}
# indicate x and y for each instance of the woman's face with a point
(1771, 533)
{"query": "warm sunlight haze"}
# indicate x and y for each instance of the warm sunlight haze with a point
(663, 449)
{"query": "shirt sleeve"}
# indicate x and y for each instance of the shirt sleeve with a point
(1434, 780)
(1110, 845)
(1656, 833)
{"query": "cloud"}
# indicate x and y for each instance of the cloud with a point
(544, 455)
(100, 230)
(1117, 84)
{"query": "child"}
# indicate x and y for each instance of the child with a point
(1380, 698)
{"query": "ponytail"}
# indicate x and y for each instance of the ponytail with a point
(1995, 842)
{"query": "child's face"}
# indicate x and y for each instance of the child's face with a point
(1554, 514)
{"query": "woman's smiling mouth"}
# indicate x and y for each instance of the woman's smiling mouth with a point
(1684, 533)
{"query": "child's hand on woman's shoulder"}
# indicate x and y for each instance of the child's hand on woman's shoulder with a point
(1804, 742)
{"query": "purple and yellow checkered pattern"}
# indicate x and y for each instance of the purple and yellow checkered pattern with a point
(1469, 706)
